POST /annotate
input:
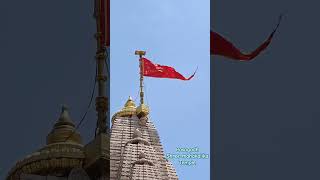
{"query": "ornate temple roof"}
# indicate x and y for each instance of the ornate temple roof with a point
(135, 148)
(63, 152)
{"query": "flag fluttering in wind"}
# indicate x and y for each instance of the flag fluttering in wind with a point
(160, 71)
(221, 46)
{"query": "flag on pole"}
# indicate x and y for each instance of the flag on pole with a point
(160, 71)
(221, 46)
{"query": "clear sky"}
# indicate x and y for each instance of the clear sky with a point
(174, 33)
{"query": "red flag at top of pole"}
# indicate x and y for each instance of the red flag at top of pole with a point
(221, 46)
(160, 71)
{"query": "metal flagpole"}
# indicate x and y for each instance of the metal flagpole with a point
(101, 99)
(142, 110)
(141, 54)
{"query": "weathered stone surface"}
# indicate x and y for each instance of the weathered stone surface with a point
(136, 151)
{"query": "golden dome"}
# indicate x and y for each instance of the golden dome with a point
(130, 103)
(142, 111)
(128, 110)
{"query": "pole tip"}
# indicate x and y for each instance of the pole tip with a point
(141, 53)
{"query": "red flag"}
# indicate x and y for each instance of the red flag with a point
(220, 46)
(155, 70)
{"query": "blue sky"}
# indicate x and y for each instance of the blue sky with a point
(174, 33)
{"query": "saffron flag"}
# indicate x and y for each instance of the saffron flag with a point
(160, 71)
(221, 46)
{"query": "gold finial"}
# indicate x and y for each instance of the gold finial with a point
(128, 110)
(140, 53)
(130, 103)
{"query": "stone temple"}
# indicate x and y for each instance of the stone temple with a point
(133, 148)
(136, 152)
(65, 157)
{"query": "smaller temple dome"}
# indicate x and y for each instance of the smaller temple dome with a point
(63, 152)
(128, 110)
(130, 103)
(64, 130)
(142, 111)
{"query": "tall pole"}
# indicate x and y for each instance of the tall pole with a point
(102, 103)
(141, 54)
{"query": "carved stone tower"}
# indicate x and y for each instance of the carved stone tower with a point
(135, 148)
